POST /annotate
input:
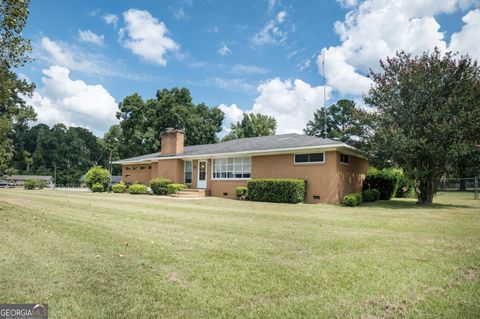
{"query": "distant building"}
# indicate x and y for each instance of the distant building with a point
(115, 180)
(19, 180)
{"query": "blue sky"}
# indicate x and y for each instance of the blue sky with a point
(259, 56)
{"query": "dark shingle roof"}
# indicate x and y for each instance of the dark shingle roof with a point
(253, 144)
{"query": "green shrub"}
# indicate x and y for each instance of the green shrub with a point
(96, 175)
(29, 184)
(241, 192)
(40, 184)
(119, 188)
(173, 188)
(406, 188)
(358, 196)
(369, 195)
(34, 183)
(138, 189)
(277, 190)
(385, 180)
(159, 186)
(350, 200)
(97, 188)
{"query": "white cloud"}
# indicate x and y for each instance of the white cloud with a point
(111, 18)
(375, 29)
(271, 5)
(272, 33)
(466, 40)
(90, 36)
(281, 16)
(214, 29)
(234, 85)
(291, 102)
(63, 55)
(224, 50)
(241, 69)
(233, 114)
(180, 14)
(73, 102)
(146, 36)
(305, 64)
(76, 59)
(348, 3)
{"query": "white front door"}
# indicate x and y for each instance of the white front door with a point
(202, 174)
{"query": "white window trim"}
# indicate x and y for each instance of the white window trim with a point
(308, 163)
(231, 178)
(185, 170)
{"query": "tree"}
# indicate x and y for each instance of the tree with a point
(344, 122)
(427, 110)
(69, 152)
(97, 175)
(252, 125)
(110, 143)
(14, 49)
(143, 122)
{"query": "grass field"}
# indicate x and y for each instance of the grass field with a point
(123, 256)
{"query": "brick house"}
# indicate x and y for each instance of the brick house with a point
(331, 168)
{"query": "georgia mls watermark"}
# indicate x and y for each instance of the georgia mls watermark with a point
(23, 311)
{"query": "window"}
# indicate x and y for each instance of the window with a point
(309, 158)
(127, 168)
(232, 168)
(142, 167)
(344, 158)
(188, 172)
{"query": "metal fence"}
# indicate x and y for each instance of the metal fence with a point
(468, 184)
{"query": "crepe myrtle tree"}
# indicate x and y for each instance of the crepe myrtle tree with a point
(426, 114)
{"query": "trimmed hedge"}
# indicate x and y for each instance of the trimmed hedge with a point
(97, 188)
(358, 196)
(159, 186)
(119, 188)
(95, 175)
(241, 192)
(370, 195)
(173, 188)
(138, 189)
(34, 183)
(277, 190)
(385, 180)
(350, 200)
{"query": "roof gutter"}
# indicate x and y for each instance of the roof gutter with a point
(351, 149)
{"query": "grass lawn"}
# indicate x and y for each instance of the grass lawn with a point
(124, 256)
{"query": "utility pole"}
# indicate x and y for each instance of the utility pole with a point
(55, 174)
(324, 92)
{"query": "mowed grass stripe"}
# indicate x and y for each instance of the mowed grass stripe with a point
(217, 264)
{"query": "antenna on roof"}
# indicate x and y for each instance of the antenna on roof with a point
(324, 57)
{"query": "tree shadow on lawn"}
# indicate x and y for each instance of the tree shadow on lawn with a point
(411, 204)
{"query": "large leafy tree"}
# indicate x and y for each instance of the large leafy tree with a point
(14, 49)
(252, 125)
(427, 110)
(110, 143)
(68, 152)
(344, 122)
(142, 122)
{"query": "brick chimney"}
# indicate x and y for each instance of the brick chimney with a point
(172, 141)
